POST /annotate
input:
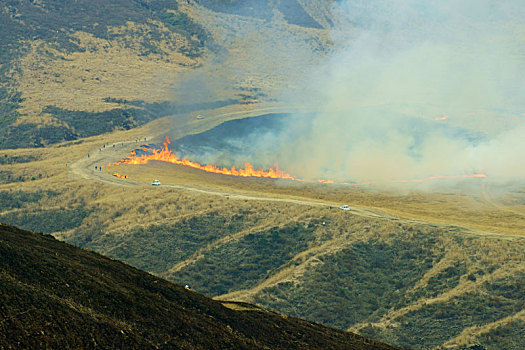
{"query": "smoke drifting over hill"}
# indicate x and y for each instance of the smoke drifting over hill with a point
(418, 88)
(408, 90)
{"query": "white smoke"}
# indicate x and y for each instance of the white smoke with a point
(402, 64)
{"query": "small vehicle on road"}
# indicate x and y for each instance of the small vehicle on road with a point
(344, 207)
(155, 183)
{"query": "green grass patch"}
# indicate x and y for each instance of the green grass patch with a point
(244, 263)
(156, 248)
(47, 221)
(356, 284)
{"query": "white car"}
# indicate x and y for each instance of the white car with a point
(155, 183)
(345, 207)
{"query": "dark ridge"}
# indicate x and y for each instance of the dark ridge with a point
(54, 295)
(294, 13)
(78, 124)
(292, 10)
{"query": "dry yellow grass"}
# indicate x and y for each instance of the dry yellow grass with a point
(467, 209)
(81, 80)
(469, 335)
(461, 209)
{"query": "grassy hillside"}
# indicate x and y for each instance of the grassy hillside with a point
(56, 295)
(414, 278)
(71, 70)
(415, 269)
(39, 39)
(428, 273)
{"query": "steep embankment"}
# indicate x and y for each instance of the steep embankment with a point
(56, 295)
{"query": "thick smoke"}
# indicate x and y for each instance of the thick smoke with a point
(410, 89)
(417, 88)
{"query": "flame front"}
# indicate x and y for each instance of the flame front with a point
(164, 154)
(120, 176)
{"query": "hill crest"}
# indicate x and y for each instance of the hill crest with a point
(57, 295)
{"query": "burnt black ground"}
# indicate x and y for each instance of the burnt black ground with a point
(267, 139)
(54, 295)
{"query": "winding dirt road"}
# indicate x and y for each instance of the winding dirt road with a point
(85, 168)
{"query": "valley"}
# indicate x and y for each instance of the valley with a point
(382, 268)
(430, 254)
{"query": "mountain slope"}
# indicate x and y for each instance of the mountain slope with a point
(59, 57)
(68, 66)
(56, 295)
(412, 283)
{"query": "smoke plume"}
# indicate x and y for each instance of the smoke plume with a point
(416, 89)
(407, 90)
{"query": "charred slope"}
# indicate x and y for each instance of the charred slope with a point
(55, 295)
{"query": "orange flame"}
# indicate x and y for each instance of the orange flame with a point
(331, 182)
(120, 176)
(164, 154)
(445, 117)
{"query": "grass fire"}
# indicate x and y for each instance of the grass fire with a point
(165, 154)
